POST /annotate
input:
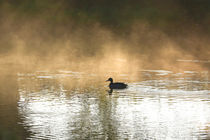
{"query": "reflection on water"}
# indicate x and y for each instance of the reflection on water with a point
(158, 104)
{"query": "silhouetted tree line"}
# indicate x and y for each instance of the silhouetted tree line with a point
(168, 15)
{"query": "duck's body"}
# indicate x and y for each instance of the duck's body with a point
(116, 85)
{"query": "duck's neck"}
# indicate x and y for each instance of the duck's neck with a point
(111, 82)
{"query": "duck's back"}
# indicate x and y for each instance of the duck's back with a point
(117, 85)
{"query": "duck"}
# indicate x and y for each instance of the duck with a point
(116, 85)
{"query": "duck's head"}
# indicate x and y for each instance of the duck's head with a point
(110, 79)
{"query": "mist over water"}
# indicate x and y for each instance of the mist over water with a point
(56, 55)
(39, 34)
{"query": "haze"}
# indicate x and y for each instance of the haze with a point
(122, 36)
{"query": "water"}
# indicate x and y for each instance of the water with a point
(65, 104)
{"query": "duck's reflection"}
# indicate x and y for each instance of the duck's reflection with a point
(110, 91)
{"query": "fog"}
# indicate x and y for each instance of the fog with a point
(42, 35)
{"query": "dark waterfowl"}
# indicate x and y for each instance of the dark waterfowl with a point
(116, 85)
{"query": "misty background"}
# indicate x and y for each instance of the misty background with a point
(103, 35)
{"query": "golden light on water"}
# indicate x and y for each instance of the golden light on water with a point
(141, 111)
(162, 119)
(135, 118)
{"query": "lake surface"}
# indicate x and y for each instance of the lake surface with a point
(65, 104)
